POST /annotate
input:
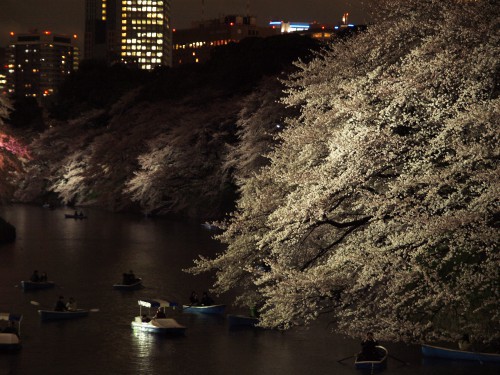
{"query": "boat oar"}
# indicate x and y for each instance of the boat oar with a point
(343, 359)
(399, 360)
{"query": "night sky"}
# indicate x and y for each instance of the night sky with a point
(67, 16)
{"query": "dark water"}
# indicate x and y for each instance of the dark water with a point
(86, 257)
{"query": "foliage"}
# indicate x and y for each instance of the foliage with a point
(166, 145)
(12, 153)
(380, 206)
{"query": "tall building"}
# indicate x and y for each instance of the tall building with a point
(136, 32)
(38, 62)
(194, 45)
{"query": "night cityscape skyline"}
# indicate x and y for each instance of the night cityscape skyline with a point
(68, 16)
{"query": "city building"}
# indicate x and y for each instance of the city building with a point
(38, 62)
(133, 32)
(320, 31)
(194, 45)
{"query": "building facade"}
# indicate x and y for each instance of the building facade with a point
(38, 62)
(133, 32)
(194, 45)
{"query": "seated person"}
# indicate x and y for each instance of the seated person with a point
(464, 343)
(193, 299)
(145, 318)
(43, 277)
(60, 305)
(129, 278)
(71, 305)
(35, 277)
(160, 314)
(368, 350)
(206, 300)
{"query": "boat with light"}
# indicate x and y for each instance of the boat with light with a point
(144, 323)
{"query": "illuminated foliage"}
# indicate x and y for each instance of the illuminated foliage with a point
(12, 153)
(380, 206)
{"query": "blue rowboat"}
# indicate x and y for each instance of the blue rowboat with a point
(241, 321)
(36, 285)
(144, 323)
(455, 354)
(9, 338)
(133, 286)
(62, 315)
(376, 364)
(209, 309)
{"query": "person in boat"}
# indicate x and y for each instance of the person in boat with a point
(81, 214)
(160, 314)
(464, 343)
(71, 305)
(368, 348)
(43, 277)
(35, 277)
(60, 305)
(11, 328)
(193, 299)
(145, 318)
(206, 300)
(129, 278)
(76, 213)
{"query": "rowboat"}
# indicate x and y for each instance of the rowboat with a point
(241, 321)
(455, 354)
(62, 315)
(376, 364)
(9, 337)
(133, 286)
(157, 325)
(200, 309)
(35, 285)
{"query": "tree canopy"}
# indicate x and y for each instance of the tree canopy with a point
(380, 205)
(12, 152)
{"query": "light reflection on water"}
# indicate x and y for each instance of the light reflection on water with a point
(86, 257)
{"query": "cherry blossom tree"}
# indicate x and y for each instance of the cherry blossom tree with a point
(380, 206)
(12, 153)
